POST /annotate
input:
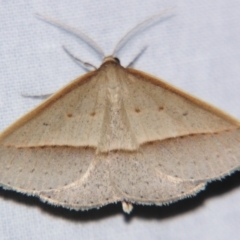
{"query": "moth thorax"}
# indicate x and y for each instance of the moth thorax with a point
(114, 96)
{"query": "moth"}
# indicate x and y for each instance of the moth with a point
(117, 134)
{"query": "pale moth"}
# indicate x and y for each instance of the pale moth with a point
(118, 134)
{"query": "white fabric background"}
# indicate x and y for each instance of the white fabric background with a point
(196, 49)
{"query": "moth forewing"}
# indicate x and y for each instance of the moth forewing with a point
(118, 135)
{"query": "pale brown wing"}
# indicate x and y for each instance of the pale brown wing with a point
(158, 111)
(116, 135)
(183, 142)
(55, 147)
(71, 117)
(79, 115)
(199, 157)
(192, 140)
(31, 170)
(137, 179)
(122, 176)
(169, 170)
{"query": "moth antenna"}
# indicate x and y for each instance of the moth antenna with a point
(137, 57)
(43, 96)
(85, 65)
(138, 28)
(75, 32)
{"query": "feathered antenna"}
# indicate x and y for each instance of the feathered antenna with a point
(137, 28)
(75, 32)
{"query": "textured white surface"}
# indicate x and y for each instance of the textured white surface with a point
(196, 49)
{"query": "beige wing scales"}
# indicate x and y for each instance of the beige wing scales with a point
(180, 135)
(198, 157)
(71, 117)
(118, 135)
(31, 170)
(93, 190)
(136, 179)
(121, 177)
(158, 111)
